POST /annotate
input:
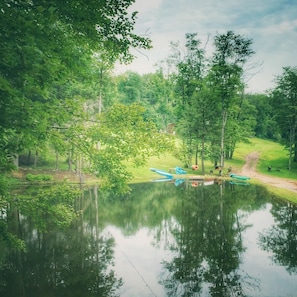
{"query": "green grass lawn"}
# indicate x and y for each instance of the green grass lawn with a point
(271, 154)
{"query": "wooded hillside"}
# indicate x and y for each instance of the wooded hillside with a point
(58, 92)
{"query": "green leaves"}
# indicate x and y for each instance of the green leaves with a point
(46, 46)
(284, 101)
(209, 93)
(49, 207)
(124, 134)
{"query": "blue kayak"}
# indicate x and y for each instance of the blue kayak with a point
(162, 172)
(179, 170)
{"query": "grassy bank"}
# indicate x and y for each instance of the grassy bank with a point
(278, 192)
(270, 154)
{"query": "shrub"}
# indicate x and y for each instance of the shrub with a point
(38, 177)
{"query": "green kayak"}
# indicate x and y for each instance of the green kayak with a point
(240, 177)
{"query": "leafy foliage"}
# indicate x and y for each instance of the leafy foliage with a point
(46, 44)
(49, 207)
(210, 109)
(39, 177)
(284, 101)
(125, 134)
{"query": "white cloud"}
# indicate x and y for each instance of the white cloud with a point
(271, 24)
(144, 6)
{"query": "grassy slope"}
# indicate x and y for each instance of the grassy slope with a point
(271, 154)
(165, 162)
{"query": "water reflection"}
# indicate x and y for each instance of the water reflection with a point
(280, 239)
(164, 239)
(76, 261)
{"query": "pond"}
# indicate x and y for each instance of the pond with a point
(170, 238)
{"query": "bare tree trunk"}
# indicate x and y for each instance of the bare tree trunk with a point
(291, 150)
(57, 161)
(196, 154)
(224, 121)
(100, 102)
(202, 155)
(35, 158)
(16, 160)
(29, 157)
(79, 169)
(99, 111)
(70, 161)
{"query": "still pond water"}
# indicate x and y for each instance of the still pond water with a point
(164, 239)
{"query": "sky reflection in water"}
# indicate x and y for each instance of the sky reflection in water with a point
(138, 260)
(165, 239)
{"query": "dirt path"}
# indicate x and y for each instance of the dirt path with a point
(249, 169)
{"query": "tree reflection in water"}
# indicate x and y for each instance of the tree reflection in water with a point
(281, 238)
(201, 230)
(62, 262)
(208, 247)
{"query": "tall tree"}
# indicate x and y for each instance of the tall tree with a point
(129, 87)
(126, 134)
(190, 69)
(49, 43)
(284, 101)
(156, 96)
(266, 126)
(231, 53)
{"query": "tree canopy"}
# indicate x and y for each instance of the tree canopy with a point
(46, 45)
(209, 95)
(284, 101)
(55, 76)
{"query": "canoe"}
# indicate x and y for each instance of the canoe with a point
(161, 172)
(240, 177)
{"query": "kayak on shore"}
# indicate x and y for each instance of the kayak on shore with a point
(239, 177)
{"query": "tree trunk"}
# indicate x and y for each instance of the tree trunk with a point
(291, 144)
(70, 161)
(16, 160)
(196, 155)
(57, 161)
(35, 158)
(29, 158)
(224, 121)
(202, 155)
(100, 104)
(79, 169)
(295, 151)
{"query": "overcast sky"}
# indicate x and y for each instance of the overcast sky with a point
(271, 24)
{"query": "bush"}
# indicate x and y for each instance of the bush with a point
(38, 177)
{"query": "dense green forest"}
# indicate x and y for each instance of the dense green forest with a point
(58, 93)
